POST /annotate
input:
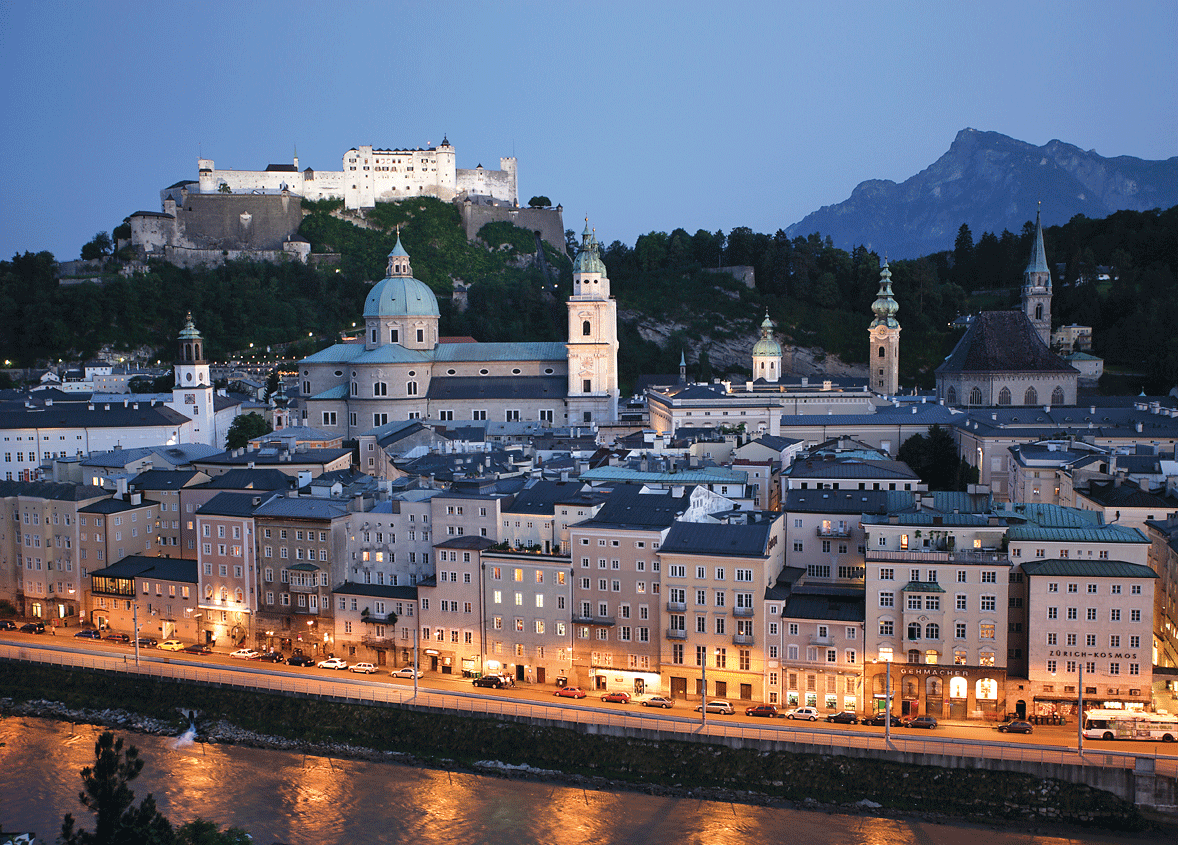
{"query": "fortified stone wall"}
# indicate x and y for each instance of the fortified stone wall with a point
(549, 222)
(237, 221)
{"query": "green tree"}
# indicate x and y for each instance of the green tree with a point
(964, 271)
(204, 832)
(272, 382)
(99, 247)
(539, 202)
(704, 365)
(108, 795)
(245, 428)
(224, 188)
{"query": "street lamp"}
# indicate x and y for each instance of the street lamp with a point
(887, 701)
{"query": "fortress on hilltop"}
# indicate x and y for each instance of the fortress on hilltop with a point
(255, 214)
(369, 175)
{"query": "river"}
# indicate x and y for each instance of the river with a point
(280, 796)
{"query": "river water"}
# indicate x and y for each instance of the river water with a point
(281, 796)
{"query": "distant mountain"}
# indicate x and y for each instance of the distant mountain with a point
(990, 182)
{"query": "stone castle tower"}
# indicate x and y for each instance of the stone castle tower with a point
(1037, 287)
(593, 339)
(884, 332)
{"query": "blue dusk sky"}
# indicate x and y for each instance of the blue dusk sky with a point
(642, 115)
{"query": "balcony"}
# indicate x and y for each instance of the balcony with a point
(301, 588)
(834, 532)
(744, 639)
(676, 634)
(676, 606)
(925, 556)
(378, 642)
(743, 612)
(594, 620)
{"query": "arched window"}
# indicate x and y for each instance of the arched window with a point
(914, 630)
(958, 688)
(1004, 396)
(951, 396)
(1031, 397)
(932, 631)
(881, 352)
(239, 595)
(379, 388)
(586, 329)
(1057, 396)
(913, 655)
(355, 389)
(411, 389)
(975, 396)
(1039, 311)
(209, 592)
(224, 594)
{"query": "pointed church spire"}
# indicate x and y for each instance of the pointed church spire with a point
(1038, 262)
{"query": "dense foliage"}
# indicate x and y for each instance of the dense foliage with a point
(819, 296)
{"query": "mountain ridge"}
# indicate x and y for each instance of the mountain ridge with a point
(990, 182)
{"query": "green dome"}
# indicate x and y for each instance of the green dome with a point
(767, 345)
(588, 260)
(400, 296)
(885, 307)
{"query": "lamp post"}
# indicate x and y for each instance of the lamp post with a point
(888, 705)
(1080, 710)
(135, 621)
(416, 640)
(703, 697)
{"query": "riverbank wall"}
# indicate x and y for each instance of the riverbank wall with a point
(643, 759)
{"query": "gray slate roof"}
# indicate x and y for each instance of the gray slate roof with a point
(497, 387)
(831, 604)
(722, 540)
(1089, 568)
(1003, 341)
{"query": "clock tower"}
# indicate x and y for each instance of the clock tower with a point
(193, 394)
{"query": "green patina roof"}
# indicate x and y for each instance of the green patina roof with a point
(767, 345)
(588, 260)
(1038, 262)
(1095, 534)
(922, 587)
(885, 306)
(1089, 568)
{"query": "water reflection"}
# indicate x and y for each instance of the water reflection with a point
(310, 800)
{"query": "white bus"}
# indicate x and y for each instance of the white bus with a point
(1125, 724)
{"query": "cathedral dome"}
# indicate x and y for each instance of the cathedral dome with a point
(767, 346)
(398, 294)
(885, 307)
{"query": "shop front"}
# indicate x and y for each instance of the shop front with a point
(959, 693)
(618, 680)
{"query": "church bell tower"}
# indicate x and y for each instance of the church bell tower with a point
(884, 332)
(1037, 287)
(193, 393)
(593, 339)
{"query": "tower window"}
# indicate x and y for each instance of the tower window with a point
(374, 335)
(421, 335)
(586, 329)
(394, 336)
(1039, 311)
(881, 352)
(586, 385)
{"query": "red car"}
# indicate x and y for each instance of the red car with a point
(618, 697)
(571, 692)
(769, 711)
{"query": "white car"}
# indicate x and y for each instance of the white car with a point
(717, 705)
(244, 654)
(364, 668)
(333, 663)
(807, 713)
(406, 672)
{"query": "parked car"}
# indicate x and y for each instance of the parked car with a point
(809, 714)
(717, 705)
(768, 711)
(617, 697)
(571, 692)
(147, 642)
(494, 681)
(926, 722)
(118, 638)
(89, 634)
(300, 660)
(659, 701)
(879, 719)
(333, 663)
(7, 625)
(197, 648)
(406, 672)
(1016, 726)
(33, 628)
(244, 654)
(364, 668)
(171, 645)
(271, 657)
(847, 717)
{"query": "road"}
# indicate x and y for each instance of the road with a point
(1044, 735)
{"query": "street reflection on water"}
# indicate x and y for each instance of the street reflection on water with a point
(305, 800)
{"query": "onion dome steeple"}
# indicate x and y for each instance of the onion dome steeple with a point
(885, 306)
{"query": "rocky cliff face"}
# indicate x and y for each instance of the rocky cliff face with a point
(735, 354)
(990, 182)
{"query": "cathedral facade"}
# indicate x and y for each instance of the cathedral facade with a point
(402, 369)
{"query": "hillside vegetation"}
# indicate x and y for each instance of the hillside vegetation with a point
(818, 295)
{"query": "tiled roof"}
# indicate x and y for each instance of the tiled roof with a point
(835, 606)
(710, 539)
(1002, 341)
(378, 591)
(309, 507)
(629, 506)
